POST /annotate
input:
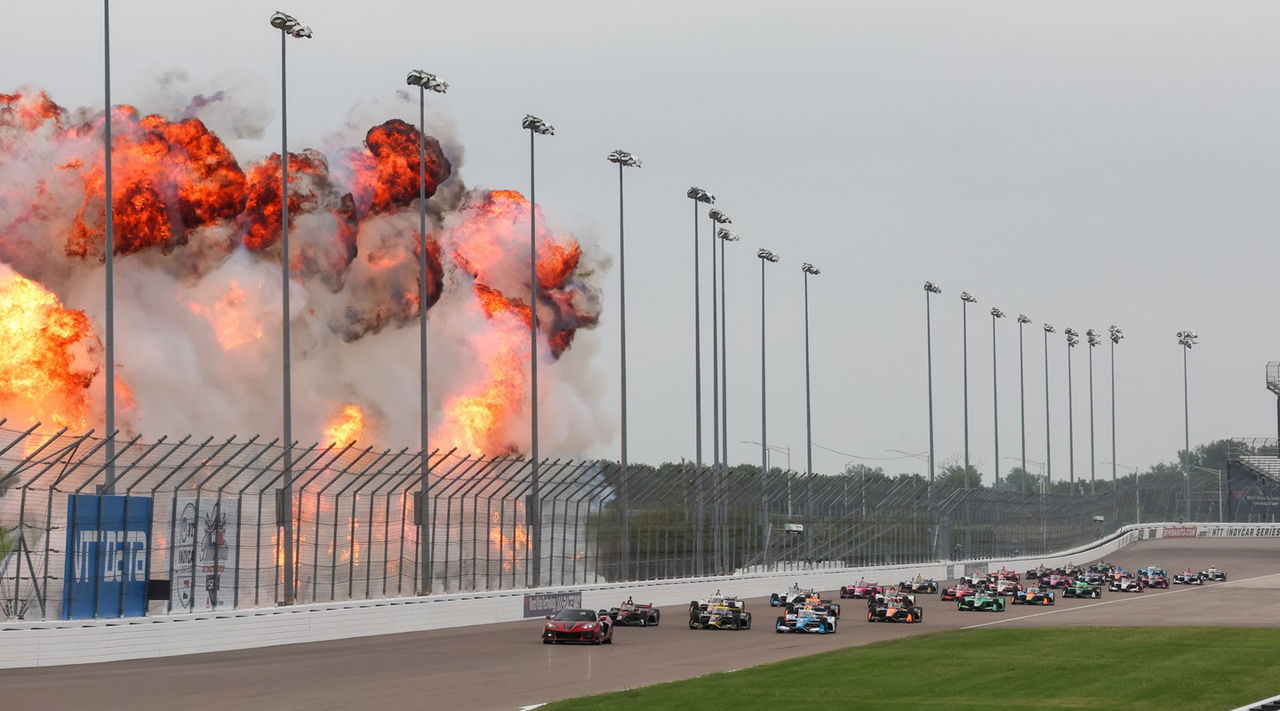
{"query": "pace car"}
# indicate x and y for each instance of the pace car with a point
(817, 619)
(861, 590)
(1127, 585)
(1213, 573)
(635, 613)
(896, 608)
(574, 625)
(1188, 577)
(1033, 595)
(919, 584)
(981, 601)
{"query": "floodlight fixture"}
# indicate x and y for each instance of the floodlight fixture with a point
(967, 297)
(767, 256)
(290, 25)
(625, 159)
(719, 217)
(1187, 339)
(1023, 318)
(727, 235)
(808, 268)
(1048, 328)
(932, 288)
(700, 195)
(537, 125)
(997, 313)
(1117, 334)
(426, 81)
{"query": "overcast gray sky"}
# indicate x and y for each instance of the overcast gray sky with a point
(1085, 163)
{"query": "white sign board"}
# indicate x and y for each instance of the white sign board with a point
(204, 551)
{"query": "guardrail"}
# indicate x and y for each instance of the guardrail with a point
(25, 644)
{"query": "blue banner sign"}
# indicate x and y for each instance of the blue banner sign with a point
(108, 548)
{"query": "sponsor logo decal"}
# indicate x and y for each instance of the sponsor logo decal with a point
(1179, 532)
(550, 603)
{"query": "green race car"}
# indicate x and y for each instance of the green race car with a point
(1082, 589)
(982, 602)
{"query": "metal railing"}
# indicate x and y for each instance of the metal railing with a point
(196, 523)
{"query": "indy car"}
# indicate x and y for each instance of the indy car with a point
(817, 619)
(1073, 571)
(1083, 589)
(896, 608)
(1127, 585)
(1102, 567)
(635, 613)
(1004, 587)
(1152, 570)
(861, 590)
(795, 594)
(958, 592)
(1003, 574)
(1188, 577)
(1153, 578)
(976, 580)
(981, 601)
(1033, 596)
(1214, 574)
(1093, 578)
(1036, 572)
(927, 586)
(719, 612)
(574, 625)
(882, 598)
(1056, 580)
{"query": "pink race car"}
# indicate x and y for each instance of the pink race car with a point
(861, 590)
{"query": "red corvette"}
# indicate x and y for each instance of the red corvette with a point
(585, 626)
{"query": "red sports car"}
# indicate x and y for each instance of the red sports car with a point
(586, 626)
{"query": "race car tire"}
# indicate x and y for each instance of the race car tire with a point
(644, 621)
(609, 639)
(871, 616)
(546, 641)
(746, 621)
(693, 622)
(657, 617)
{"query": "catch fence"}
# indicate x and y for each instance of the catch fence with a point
(195, 525)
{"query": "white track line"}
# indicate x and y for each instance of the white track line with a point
(1139, 597)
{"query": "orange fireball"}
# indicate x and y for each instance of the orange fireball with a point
(346, 427)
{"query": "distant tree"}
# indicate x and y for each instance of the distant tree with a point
(862, 471)
(954, 475)
(1020, 480)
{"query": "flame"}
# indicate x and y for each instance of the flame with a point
(385, 175)
(346, 427)
(510, 550)
(233, 323)
(49, 356)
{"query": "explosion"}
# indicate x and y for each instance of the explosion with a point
(48, 358)
(197, 232)
(347, 427)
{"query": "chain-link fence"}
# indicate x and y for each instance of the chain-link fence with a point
(195, 525)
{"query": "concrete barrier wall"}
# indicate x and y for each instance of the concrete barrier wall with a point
(27, 644)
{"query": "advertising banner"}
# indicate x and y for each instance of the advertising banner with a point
(544, 604)
(108, 546)
(1252, 496)
(204, 550)
(1179, 532)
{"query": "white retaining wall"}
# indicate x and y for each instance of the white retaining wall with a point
(28, 644)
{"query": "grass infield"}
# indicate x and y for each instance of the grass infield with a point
(1122, 668)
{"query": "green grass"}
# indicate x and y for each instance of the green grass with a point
(1102, 668)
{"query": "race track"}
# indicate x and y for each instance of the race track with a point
(505, 667)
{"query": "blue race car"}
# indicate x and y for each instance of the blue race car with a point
(817, 619)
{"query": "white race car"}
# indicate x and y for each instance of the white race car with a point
(1213, 573)
(795, 595)
(1127, 585)
(1188, 577)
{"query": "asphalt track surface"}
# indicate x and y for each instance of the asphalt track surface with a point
(504, 666)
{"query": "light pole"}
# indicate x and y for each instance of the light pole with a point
(289, 26)
(1094, 340)
(1221, 489)
(109, 248)
(725, 236)
(425, 82)
(1023, 320)
(965, 299)
(717, 218)
(1048, 450)
(697, 195)
(995, 394)
(1186, 339)
(1073, 339)
(809, 270)
(765, 257)
(1116, 335)
(535, 126)
(623, 159)
(929, 289)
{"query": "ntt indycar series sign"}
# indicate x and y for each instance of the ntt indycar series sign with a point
(108, 546)
(550, 603)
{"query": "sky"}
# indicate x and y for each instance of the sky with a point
(1084, 163)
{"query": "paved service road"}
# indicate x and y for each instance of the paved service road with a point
(504, 666)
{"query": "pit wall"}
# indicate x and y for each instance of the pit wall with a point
(52, 643)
